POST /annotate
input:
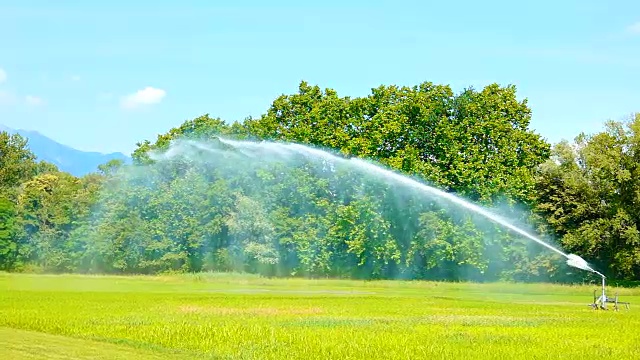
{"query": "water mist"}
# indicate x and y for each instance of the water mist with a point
(268, 151)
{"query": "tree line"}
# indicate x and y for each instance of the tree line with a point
(216, 211)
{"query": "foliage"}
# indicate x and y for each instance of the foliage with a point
(17, 163)
(191, 203)
(8, 245)
(589, 194)
(17, 166)
(476, 143)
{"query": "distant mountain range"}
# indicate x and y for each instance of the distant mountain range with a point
(66, 158)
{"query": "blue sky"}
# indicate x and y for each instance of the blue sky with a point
(103, 75)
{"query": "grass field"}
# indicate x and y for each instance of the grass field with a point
(224, 316)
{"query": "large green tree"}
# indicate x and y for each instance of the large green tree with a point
(589, 194)
(17, 163)
(476, 143)
(47, 205)
(17, 166)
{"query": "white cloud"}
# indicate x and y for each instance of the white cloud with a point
(3, 75)
(75, 78)
(634, 28)
(33, 100)
(146, 96)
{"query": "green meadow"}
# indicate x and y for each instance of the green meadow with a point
(229, 316)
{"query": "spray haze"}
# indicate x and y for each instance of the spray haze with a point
(223, 203)
(368, 167)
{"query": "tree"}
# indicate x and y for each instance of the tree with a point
(588, 194)
(192, 201)
(48, 206)
(202, 127)
(17, 163)
(110, 167)
(8, 244)
(477, 144)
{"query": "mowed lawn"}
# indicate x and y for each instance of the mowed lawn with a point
(226, 316)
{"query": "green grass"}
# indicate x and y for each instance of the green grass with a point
(222, 316)
(21, 344)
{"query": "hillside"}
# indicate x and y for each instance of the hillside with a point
(66, 158)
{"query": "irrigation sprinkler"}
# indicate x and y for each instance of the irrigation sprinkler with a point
(601, 302)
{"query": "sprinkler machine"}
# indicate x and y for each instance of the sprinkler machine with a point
(601, 302)
(598, 302)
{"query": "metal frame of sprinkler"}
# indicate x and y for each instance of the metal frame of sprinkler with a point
(600, 303)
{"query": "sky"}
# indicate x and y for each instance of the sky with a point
(104, 75)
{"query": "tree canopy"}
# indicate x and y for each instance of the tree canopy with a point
(191, 202)
(589, 193)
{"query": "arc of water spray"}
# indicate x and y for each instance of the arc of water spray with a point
(572, 259)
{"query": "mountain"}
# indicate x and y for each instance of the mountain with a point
(66, 158)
